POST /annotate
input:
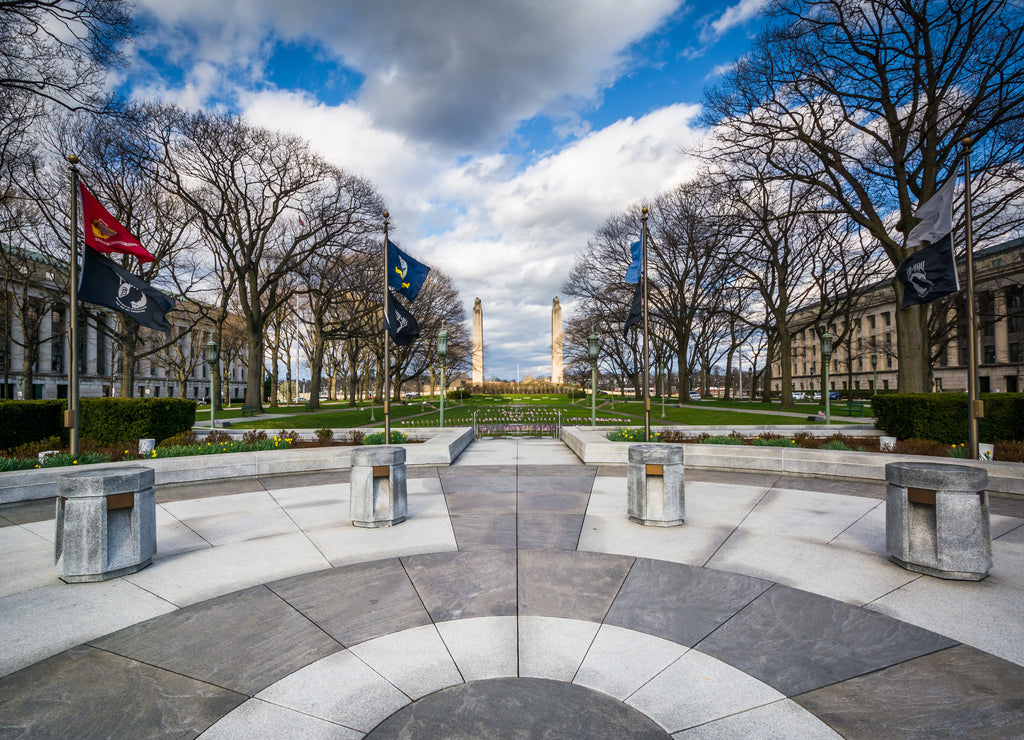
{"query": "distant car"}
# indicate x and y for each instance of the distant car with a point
(833, 395)
(694, 396)
(798, 396)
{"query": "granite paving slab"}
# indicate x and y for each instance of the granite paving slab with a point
(555, 483)
(355, 603)
(339, 688)
(553, 502)
(519, 708)
(24, 512)
(480, 502)
(551, 647)
(575, 585)
(459, 585)
(680, 602)
(123, 698)
(484, 531)
(797, 641)
(482, 647)
(620, 661)
(26, 560)
(780, 719)
(416, 661)
(549, 531)
(223, 519)
(216, 641)
(959, 692)
(696, 689)
(257, 718)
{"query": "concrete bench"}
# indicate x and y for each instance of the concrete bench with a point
(106, 523)
(937, 520)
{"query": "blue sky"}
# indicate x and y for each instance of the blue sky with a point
(500, 133)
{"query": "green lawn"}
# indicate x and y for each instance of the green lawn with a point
(527, 409)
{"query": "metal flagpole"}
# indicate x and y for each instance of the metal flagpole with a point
(976, 407)
(387, 344)
(647, 387)
(71, 415)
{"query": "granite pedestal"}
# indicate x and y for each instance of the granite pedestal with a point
(654, 485)
(106, 523)
(378, 488)
(937, 521)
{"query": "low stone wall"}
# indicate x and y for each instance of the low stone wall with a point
(591, 446)
(440, 447)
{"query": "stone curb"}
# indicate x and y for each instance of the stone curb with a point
(441, 447)
(592, 447)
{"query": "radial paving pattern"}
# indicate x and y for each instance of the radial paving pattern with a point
(520, 629)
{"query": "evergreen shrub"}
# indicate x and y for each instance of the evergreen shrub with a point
(112, 420)
(942, 417)
(30, 421)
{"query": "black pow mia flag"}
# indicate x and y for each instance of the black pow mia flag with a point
(401, 325)
(929, 273)
(105, 283)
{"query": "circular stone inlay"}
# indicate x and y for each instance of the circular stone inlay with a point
(517, 707)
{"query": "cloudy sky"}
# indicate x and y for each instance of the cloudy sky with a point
(501, 133)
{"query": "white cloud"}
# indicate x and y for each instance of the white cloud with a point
(449, 72)
(733, 16)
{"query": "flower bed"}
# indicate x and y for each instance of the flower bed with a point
(1004, 451)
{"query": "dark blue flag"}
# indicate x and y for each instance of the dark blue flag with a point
(406, 275)
(401, 325)
(107, 284)
(636, 311)
(633, 273)
(929, 273)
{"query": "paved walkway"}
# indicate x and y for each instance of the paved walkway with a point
(517, 600)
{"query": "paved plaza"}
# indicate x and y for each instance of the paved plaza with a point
(517, 600)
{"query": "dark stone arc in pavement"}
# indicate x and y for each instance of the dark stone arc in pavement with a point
(518, 707)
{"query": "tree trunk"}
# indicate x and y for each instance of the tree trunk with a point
(914, 374)
(254, 376)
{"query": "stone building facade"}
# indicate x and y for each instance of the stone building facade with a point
(34, 324)
(868, 354)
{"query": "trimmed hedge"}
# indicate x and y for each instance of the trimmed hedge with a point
(943, 416)
(31, 421)
(112, 420)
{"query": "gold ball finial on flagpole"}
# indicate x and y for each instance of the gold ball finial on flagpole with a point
(386, 214)
(967, 141)
(72, 159)
(644, 210)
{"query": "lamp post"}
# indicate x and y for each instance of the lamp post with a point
(373, 394)
(442, 352)
(592, 350)
(826, 354)
(874, 374)
(211, 360)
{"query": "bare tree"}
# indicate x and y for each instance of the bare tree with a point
(60, 50)
(876, 97)
(264, 201)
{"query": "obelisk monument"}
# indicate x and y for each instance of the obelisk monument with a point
(478, 342)
(556, 342)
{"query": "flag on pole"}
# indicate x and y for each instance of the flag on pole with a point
(636, 311)
(936, 215)
(104, 233)
(929, 273)
(406, 274)
(401, 325)
(107, 284)
(633, 272)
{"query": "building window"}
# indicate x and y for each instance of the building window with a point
(888, 362)
(887, 320)
(989, 354)
(57, 330)
(856, 384)
(1015, 324)
(871, 323)
(885, 385)
(938, 385)
(1015, 354)
(101, 349)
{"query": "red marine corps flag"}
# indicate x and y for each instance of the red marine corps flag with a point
(104, 233)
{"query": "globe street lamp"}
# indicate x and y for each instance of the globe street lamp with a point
(442, 352)
(826, 354)
(874, 373)
(211, 360)
(592, 350)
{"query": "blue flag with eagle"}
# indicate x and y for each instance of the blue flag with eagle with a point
(405, 275)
